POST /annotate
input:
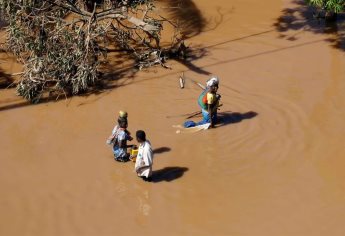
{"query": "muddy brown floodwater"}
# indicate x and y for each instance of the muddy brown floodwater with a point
(274, 167)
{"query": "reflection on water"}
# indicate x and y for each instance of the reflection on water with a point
(144, 206)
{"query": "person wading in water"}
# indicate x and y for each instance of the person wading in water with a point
(209, 102)
(144, 161)
(119, 137)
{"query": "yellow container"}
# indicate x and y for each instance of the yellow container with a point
(134, 152)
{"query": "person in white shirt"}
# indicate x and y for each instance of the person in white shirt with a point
(144, 161)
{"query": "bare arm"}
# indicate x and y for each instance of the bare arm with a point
(111, 137)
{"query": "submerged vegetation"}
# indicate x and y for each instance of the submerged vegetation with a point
(62, 43)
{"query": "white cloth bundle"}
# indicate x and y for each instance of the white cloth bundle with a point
(212, 81)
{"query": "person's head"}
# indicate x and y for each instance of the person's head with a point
(213, 84)
(122, 122)
(141, 136)
(214, 88)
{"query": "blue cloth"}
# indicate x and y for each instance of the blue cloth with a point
(205, 119)
(120, 152)
(189, 124)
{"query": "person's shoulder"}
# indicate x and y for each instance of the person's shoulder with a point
(121, 133)
(148, 144)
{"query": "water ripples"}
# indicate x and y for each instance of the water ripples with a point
(263, 128)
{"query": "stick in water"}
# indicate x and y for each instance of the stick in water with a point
(195, 82)
(182, 81)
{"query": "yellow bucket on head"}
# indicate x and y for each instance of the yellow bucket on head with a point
(123, 114)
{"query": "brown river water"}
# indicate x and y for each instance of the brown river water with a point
(275, 166)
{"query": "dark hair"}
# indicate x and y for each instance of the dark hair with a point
(121, 119)
(140, 134)
(122, 122)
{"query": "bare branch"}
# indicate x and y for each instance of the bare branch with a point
(62, 56)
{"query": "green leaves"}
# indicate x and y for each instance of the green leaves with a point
(329, 5)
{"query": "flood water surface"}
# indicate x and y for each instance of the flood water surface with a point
(274, 166)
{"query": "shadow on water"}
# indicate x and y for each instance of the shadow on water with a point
(114, 75)
(203, 50)
(168, 174)
(194, 54)
(120, 70)
(245, 57)
(111, 79)
(226, 118)
(5, 80)
(191, 23)
(161, 150)
(302, 17)
(188, 16)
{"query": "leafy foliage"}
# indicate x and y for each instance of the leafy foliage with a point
(329, 5)
(62, 43)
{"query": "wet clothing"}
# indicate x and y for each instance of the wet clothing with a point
(206, 117)
(211, 98)
(205, 99)
(144, 161)
(120, 135)
(202, 100)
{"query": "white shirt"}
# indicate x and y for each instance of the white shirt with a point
(144, 161)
